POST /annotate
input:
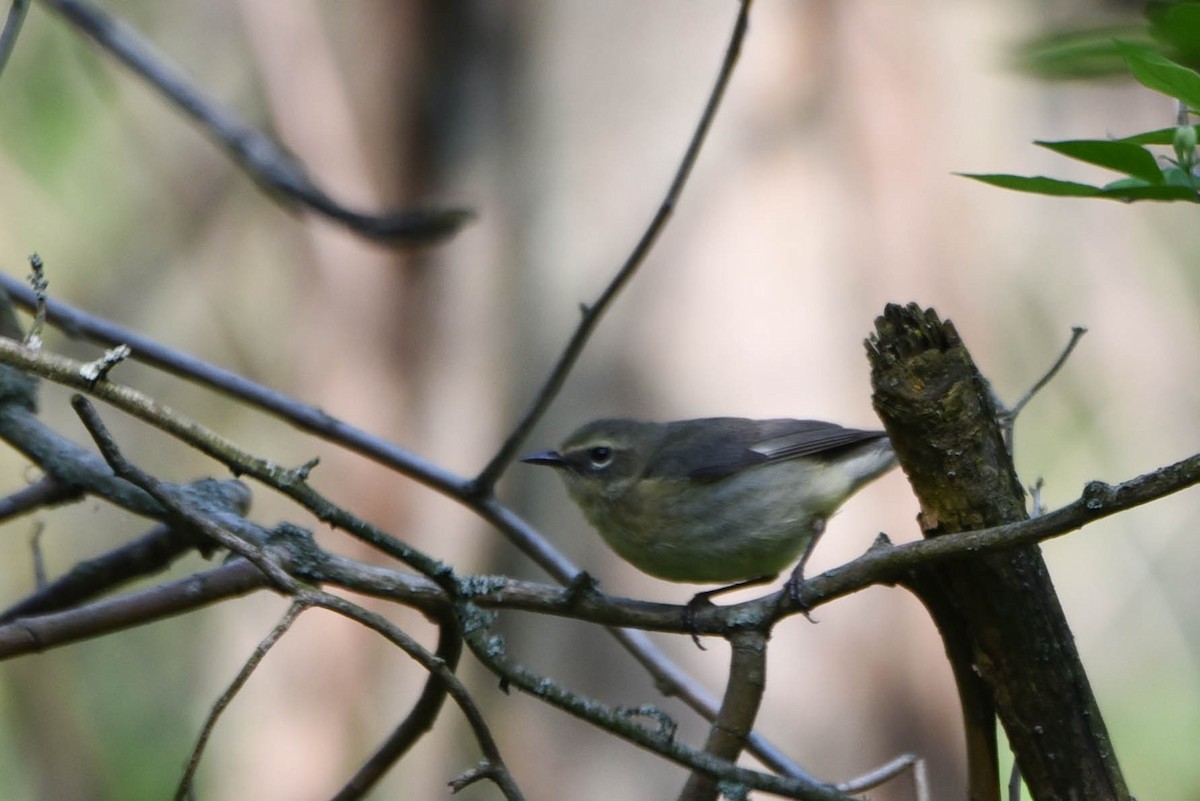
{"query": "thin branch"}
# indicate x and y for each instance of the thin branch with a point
(743, 696)
(418, 721)
(825, 588)
(883, 563)
(39, 560)
(151, 553)
(497, 772)
(185, 788)
(74, 466)
(12, 29)
(36, 634)
(38, 285)
(78, 323)
(1077, 333)
(490, 649)
(667, 675)
(269, 564)
(486, 480)
(885, 773)
(46, 491)
(1008, 417)
(256, 153)
(176, 504)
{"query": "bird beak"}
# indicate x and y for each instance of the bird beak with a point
(548, 458)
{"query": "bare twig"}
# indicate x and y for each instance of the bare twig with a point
(490, 649)
(77, 323)
(39, 285)
(497, 772)
(255, 152)
(39, 560)
(269, 564)
(883, 563)
(487, 478)
(885, 773)
(97, 370)
(74, 466)
(151, 553)
(189, 773)
(70, 373)
(878, 565)
(743, 695)
(176, 504)
(1008, 417)
(35, 634)
(667, 675)
(46, 491)
(419, 720)
(12, 29)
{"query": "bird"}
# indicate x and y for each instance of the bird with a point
(723, 500)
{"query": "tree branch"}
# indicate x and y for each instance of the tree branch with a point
(65, 371)
(883, 563)
(487, 478)
(623, 722)
(151, 553)
(419, 720)
(36, 634)
(255, 152)
(185, 790)
(743, 695)
(46, 491)
(12, 29)
(1010, 647)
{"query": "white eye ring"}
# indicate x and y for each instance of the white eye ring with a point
(600, 456)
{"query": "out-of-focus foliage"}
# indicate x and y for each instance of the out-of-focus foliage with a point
(1170, 28)
(1177, 28)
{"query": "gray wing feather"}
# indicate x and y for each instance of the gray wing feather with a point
(780, 440)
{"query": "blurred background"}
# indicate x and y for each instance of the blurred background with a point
(825, 191)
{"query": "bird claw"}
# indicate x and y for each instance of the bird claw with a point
(699, 601)
(582, 585)
(795, 591)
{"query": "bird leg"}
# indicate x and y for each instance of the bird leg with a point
(795, 582)
(702, 599)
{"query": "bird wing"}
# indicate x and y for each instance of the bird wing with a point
(780, 440)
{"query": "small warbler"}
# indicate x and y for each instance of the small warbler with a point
(715, 500)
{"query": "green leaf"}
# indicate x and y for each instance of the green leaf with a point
(1039, 184)
(1177, 25)
(1163, 136)
(1078, 54)
(1161, 74)
(1160, 192)
(1178, 177)
(1123, 157)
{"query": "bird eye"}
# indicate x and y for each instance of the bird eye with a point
(600, 456)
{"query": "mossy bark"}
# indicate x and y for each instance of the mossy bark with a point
(1005, 633)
